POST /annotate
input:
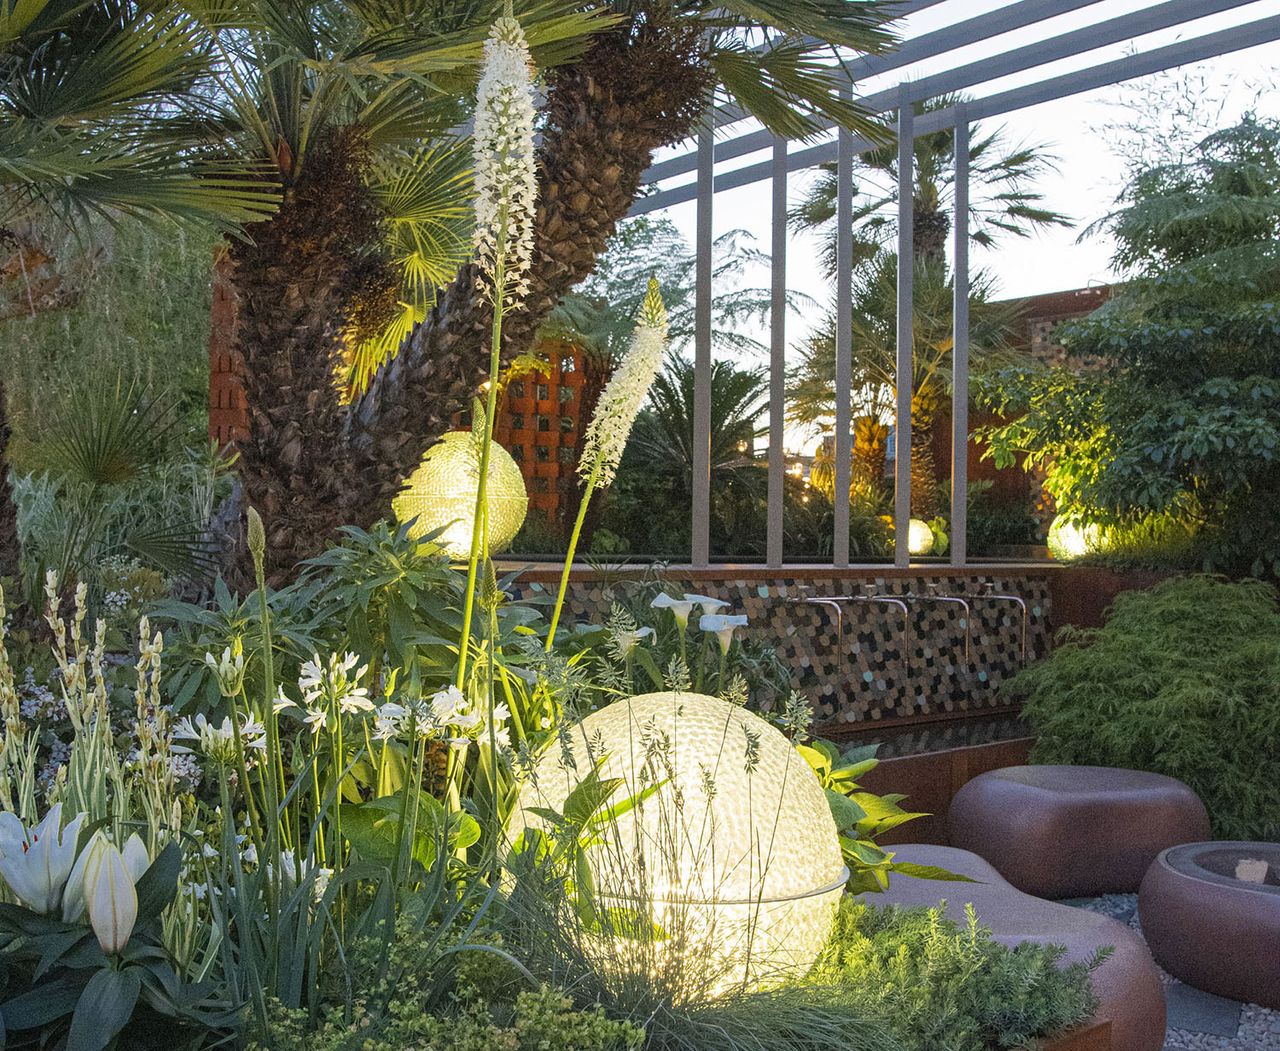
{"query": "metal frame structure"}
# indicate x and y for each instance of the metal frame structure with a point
(706, 155)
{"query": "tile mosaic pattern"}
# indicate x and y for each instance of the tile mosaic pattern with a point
(858, 659)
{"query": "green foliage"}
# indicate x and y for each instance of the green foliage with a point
(1182, 680)
(536, 1021)
(942, 986)
(58, 983)
(1184, 419)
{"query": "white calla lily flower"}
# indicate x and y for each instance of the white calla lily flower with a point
(680, 608)
(723, 626)
(706, 603)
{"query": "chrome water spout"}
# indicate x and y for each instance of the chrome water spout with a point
(872, 596)
(991, 596)
(963, 603)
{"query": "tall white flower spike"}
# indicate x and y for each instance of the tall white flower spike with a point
(624, 394)
(506, 182)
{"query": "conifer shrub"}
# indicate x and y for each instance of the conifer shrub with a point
(1182, 680)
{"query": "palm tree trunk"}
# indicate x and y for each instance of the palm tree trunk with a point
(924, 471)
(298, 278)
(639, 87)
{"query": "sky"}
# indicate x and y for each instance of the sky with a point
(1089, 168)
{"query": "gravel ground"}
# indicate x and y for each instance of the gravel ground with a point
(1259, 1028)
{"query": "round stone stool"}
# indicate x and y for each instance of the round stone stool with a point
(1211, 930)
(1074, 831)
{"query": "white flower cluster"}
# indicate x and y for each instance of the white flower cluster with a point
(620, 402)
(447, 714)
(505, 179)
(329, 690)
(217, 741)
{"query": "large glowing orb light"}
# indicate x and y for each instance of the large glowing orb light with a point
(731, 848)
(919, 537)
(1068, 540)
(441, 494)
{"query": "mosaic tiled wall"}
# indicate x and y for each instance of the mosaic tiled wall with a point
(860, 657)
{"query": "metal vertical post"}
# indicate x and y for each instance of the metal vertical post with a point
(960, 348)
(777, 356)
(701, 518)
(904, 372)
(844, 340)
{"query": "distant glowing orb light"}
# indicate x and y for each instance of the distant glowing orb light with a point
(731, 851)
(441, 494)
(919, 537)
(1068, 540)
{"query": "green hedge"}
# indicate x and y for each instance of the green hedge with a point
(1182, 680)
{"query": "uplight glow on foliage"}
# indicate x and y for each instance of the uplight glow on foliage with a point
(441, 494)
(730, 847)
(1068, 539)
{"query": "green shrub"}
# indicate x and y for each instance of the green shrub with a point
(943, 986)
(1182, 680)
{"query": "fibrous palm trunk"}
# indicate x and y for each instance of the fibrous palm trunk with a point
(298, 279)
(925, 502)
(640, 86)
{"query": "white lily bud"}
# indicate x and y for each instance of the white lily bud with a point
(110, 898)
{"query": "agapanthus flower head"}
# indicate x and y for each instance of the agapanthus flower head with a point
(217, 742)
(505, 179)
(228, 670)
(624, 394)
(335, 683)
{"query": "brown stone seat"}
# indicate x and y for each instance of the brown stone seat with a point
(1210, 929)
(1072, 831)
(1126, 984)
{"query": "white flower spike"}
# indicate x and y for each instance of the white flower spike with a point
(624, 394)
(506, 182)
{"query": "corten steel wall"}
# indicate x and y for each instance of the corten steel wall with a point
(540, 423)
(875, 664)
(228, 411)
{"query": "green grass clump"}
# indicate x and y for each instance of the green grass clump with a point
(1182, 680)
(943, 986)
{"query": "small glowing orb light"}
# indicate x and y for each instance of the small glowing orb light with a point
(1068, 540)
(730, 850)
(919, 537)
(441, 494)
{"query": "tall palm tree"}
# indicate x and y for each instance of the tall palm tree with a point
(353, 107)
(1003, 200)
(91, 125)
(811, 381)
(642, 83)
(663, 432)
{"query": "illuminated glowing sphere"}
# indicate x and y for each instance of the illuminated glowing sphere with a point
(1068, 540)
(919, 537)
(733, 856)
(441, 494)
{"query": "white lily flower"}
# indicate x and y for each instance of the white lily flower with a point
(135, 859)
(706, 603)
(37, 862)
(680, 608)
(110, 897)
(218, 742)
(723, 626)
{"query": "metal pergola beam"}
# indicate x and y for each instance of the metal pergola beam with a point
(1105, 74)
